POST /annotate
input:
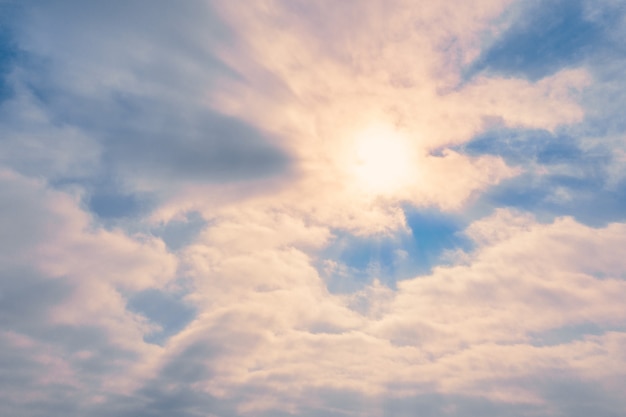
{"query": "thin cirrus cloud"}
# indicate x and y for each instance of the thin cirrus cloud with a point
(311, 208)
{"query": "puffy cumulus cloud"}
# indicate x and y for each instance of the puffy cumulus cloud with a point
(269, 335)
(62, 239)
(537, 268)
(63, 307)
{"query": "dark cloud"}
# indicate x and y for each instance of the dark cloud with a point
(26, 297)
(134, 79)
(172, 391)
(34, 378)
(48, 368)
(568, 334)
(213, 148)
(25, 222)
(575, 398)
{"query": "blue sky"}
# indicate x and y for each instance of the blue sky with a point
(312, 208)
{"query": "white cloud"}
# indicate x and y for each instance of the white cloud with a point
(463, 330)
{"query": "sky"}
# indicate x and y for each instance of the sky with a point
(312, 208)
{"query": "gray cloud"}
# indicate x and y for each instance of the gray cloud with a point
(133, 80)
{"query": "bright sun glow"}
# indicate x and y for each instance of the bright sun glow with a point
(382, 160)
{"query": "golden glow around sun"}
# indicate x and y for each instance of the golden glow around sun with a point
(382, 160)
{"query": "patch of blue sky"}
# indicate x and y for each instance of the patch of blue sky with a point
(604, 101)
(547, 198)
(106, 199)
(434, 234)
(112, 204)
(9, 51)
(179, 233)
(575, 170)
(390, 259)
(522, 146)
(166, 309)
(560, 176)
(8, 54)
(547, 37)
(125, 210)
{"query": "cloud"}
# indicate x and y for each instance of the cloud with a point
(547, 37)
(356, 71)
(62, 304)
(311, 208)
(463, 330)
(122, 91)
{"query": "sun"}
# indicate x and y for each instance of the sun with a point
(382, 160)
